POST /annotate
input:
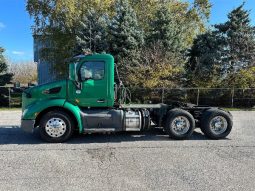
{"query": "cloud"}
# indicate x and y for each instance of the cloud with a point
(18, 53)
(2, 26)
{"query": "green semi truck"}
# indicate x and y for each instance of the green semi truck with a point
(93, 100)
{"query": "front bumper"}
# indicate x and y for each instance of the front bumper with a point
(27, 125)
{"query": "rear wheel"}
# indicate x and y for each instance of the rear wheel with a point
(56, 127)
(216, 124)
(180, 124)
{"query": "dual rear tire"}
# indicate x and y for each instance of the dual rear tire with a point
(215, 124)
(180, 124)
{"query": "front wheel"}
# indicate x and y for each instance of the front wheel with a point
(56, 127)
(216, 124)
(180, 124)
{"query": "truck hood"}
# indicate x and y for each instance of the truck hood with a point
(54, 90)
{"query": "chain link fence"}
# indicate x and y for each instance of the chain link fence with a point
(221, 97)
(11, 96)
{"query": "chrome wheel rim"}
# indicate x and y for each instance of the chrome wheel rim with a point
(55, 127)
(180, 125)
(218, 125)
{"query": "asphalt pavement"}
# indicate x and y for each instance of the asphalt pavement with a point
(127, 161)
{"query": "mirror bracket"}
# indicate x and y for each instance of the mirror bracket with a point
(78, 85)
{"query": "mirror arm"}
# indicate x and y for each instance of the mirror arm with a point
(77, 84)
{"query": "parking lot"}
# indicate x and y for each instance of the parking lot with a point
(127, 161)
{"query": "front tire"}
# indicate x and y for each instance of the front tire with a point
(216, 124)
(180, 124)
(56, 127)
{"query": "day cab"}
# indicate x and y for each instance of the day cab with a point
(92, 100)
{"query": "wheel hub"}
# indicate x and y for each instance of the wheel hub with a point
(55, 127)
(218, 125)
(180, 125)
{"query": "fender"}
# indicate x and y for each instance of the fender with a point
(33, 110)
(76, 112)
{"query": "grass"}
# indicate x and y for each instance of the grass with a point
(240, 109)
(9, 109)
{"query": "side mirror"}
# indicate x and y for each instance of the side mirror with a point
(74, 77)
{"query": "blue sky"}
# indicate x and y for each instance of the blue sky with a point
(221, 8)
(15, 24)
(15, 33)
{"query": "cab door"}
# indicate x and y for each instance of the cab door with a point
(93, 78)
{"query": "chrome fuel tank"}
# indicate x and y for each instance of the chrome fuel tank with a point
(132, 120)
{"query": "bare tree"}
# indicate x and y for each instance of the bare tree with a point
(24, 72)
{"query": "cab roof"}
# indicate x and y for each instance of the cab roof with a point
(92, 56)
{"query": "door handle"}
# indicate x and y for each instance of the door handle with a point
(101, 101)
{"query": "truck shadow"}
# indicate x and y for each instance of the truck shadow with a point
(151, 135)
(14, 135)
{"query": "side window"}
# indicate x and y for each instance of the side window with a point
(92, 70)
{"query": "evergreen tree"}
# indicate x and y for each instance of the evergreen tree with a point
(165, 30)
(203, 68)
(239, 50)
(4, 76)
(217, 56)
(91, 33)
(125, 35)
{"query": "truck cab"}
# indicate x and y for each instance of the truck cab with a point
(91, 81)
(92, 100)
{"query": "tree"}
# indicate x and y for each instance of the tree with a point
(166, 31)
(58, 23)
(203, 68)
(239, 51)
(125, 38)
(145, 11)
(125, 35)
(62, 13)
(55, 21)
(24, 72)
(156, 69)
(176, 23)
(5, 77)
(171, 30)
(244, 78)
(195, 14)
(91, 33)
(218, 56)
